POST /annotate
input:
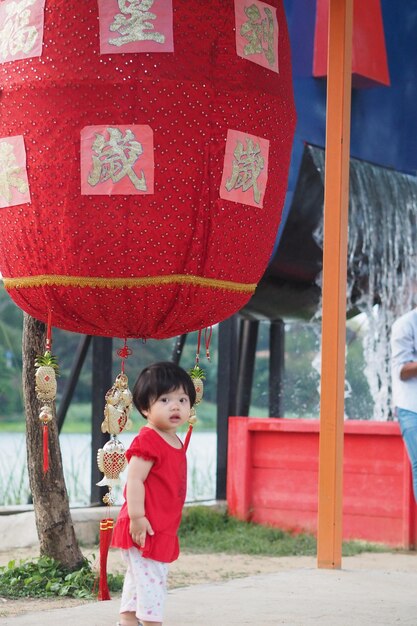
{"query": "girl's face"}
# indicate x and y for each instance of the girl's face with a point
(170, 411)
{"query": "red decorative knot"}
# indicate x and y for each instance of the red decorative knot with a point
(124, 352)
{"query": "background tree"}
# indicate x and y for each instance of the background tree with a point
(50, 498)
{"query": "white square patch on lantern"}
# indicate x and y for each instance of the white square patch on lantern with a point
(117, 160)
(245, 169)
(14, 184)
(257, 33)
(135, 26)
(21, 29)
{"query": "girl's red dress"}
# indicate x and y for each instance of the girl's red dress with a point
(165, 489)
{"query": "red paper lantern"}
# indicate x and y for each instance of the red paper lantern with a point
(157, 138)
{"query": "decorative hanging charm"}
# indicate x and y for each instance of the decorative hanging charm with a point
(45, 387)
(118, 407)
(198, 375)
(111, 460)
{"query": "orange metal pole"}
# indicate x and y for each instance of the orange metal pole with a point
(336, 196)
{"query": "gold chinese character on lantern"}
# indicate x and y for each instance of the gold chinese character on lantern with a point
(134, 23)
(14, 187)
(113, 159)
(257, 33)
(245, 168)
(247, 165)
(117, 160)
(22, 29)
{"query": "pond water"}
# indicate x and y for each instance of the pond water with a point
(76, 459)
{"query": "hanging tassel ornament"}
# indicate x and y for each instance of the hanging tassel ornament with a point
(198, 375)
(45, 386)
(118, 407)
(111, 458)
(208, 332)
(106, 532)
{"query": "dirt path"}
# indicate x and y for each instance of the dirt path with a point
(192, 569)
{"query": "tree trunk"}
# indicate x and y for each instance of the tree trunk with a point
(50, 498)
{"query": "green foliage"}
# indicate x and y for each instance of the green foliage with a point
(197, 372)
(300, 384)
(300, 379)
(44, 577)
(11, 401)
(205, 530)
(47, 360)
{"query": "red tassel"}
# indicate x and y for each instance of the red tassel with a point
(45, 449)
(188, 437)
(48, 342)
(106, 531)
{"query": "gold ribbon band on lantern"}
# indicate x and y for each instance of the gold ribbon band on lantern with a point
(45, 280)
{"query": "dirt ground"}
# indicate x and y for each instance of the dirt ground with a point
(192, 569)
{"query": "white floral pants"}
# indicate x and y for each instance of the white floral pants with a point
(144, 587)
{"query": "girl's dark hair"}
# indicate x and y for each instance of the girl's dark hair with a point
(160, 378)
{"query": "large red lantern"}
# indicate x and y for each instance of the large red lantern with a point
(144, 151)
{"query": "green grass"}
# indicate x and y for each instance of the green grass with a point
(205, 530)
(44, 577)
(78, 419)
(12, 427)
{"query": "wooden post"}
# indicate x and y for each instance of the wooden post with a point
(336, 196)
(178, 348)
(226, 395)
(71, 384)
(247, 353)
(102, 381)
(276, 367)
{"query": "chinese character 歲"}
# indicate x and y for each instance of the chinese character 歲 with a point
(257, 31)
(134, 23)
(114, 158)
(246, 168)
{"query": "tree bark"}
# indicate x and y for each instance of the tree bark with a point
(50, 498)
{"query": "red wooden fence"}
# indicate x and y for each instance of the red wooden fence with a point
(272, 478)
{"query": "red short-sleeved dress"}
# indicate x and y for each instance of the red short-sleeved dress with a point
(165, 489)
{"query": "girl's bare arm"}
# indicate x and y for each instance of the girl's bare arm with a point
(135, 494)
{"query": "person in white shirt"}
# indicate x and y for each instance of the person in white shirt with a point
(404, 383)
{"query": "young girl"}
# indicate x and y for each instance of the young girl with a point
(147, 526)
